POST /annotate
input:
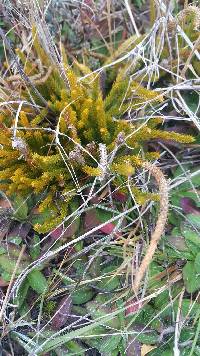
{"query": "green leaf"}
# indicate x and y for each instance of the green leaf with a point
(186, 334)
(174, 219)
(35, 250)
(74, 348)
(37, 281)
(192, 240)
(6, 276)
(41, 217)
(22, 293)
(24, 309)
(2, 250)
(109, 344)
(15, 240)
(159, 352)
(108, 282)
(148, 337)
(104, 215)
(192, 100)
(188, 307)
(8, 264)
(195, 179)
(197, 263)
(98, 311)
(21, 208)
(154, 269)
(194, 220)
(87, 330)
(82, 295)
(191, 277)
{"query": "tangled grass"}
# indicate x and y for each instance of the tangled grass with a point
(114, 270)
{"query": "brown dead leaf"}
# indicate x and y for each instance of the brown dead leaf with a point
(146, 349)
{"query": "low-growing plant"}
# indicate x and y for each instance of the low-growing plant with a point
(60, 132)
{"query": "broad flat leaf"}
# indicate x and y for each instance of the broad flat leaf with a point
(178, 242)
(91, 220)
(108, 228)
(132, 306)
(20, 208)
(186, 333)
(104, 215)
(19, 230)
(191, 277)
(108, 282)
(74, 349)
(192, 240)
(119, 196)
(187, 194)
(197, 263)
(82, 295)
(35, 250)
(109, 344)
(40, 218)
(98, 311)
(13, 251)
(24, 310)
(2, 250)
(189, 206)
(8, 260)
(195, 179)
(150, 337)
(6, 276)
(161, 351)
(192, 100)
(174, 254)
(133, 346)
(185, 307)
(65, 232)
(96, 217)
(22, 293)
(15, 240)
(4, 283)
(194, 220)
(37, 281)
(62, 313)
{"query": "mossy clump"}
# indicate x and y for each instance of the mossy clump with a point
(52, 147)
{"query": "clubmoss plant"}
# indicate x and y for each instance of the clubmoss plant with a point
(52, 144)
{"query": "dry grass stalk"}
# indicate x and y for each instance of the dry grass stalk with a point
(160, 225)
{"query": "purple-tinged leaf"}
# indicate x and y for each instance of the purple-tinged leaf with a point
(189, 207)
(62, 313)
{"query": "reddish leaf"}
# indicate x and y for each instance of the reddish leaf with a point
(91, 221)
(87, 11)
(56, 233)
(64, 232)
(132, 306)
(3, 283)
(189, 206)
(62, 313)
(4, 203)
(119, 196)
(108, 228)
